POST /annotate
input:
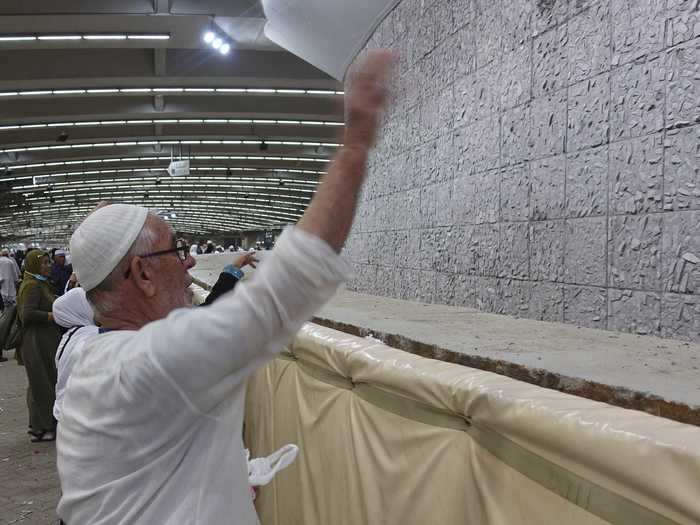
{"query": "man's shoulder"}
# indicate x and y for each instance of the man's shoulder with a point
(108, 346)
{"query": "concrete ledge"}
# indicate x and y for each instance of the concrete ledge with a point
(658, 376)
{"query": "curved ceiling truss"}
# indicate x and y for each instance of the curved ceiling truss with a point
(80, 124)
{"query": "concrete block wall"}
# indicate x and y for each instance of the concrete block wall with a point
(541, 159)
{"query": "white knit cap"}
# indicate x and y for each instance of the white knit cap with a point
(103, 239)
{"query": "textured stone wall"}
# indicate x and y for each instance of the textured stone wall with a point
(541, 160)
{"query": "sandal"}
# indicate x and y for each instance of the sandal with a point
(43, 436)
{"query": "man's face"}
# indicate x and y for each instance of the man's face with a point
(60, 259)
(172, 278)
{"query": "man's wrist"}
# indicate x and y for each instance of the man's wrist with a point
(235, 272)
(356, 154)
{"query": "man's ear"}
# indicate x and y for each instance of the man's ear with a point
(143, 276)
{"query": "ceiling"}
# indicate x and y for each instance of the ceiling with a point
(86, 120)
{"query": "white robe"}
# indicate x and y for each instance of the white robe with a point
(72, 310)
(152, 419)
(9, 275)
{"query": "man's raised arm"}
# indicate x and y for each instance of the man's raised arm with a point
(331, 212)
(225, 342)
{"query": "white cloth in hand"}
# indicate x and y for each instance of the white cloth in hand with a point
(262, 470)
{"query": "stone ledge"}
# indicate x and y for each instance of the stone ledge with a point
(657, 376)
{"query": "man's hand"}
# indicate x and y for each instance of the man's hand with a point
(366, 98)
(331, 212)
(246, 259)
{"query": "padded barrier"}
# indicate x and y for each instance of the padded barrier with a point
(388, 437)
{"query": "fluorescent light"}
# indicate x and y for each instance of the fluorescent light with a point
(76, 91)
(209, 37)
(16, 38)
(131, 143)
(216, 43)
(59, 37)
(104, 37)
(225, 49)
(149, 37)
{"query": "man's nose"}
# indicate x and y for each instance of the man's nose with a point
(190, 262)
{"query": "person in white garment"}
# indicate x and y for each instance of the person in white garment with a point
(73, 312)
(150, 431)
(9, 276)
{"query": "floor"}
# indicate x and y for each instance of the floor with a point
(29, 487)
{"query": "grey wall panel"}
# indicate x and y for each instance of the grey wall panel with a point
(541, 160)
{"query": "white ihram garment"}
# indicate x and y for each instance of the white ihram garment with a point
(9, 275)
(73, 311)
(152, 419)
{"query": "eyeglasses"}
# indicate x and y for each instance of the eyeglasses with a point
(182, 249)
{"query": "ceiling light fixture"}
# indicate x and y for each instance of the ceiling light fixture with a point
(169, 142)
(86, 36)
(139, 90)
(218, 40)
(149, 37)
(104, 37)
(168, 121)
(59, 37)
(16, 38)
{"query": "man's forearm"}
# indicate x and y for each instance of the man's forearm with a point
(331, 212)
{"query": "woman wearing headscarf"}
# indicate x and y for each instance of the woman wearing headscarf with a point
(73, 312)
(40, 337)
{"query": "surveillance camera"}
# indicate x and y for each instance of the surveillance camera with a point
(62, 137)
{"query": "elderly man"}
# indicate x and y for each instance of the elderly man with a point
(153, 412)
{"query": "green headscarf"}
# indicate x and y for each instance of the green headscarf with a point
(32, 268)
(32, 263)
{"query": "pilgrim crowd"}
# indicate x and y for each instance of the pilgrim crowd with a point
(145, 394)
(46, 316)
